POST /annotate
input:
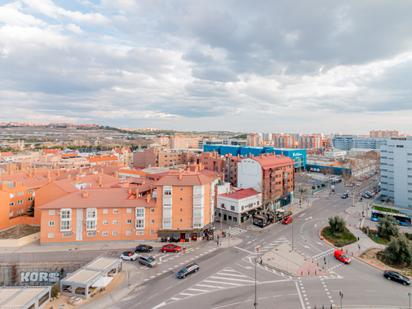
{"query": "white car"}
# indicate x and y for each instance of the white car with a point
(129, 256)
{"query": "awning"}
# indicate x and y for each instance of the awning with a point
(102, 282)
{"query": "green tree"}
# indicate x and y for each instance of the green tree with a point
(337, 224)
(388, 227)
(399, 251)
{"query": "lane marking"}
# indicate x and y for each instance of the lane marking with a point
(300, 296)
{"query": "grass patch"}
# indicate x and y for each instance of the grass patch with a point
(339, 239)
(373, 234)
(385, 209)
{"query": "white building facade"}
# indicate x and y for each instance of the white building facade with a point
(238, 206)
(396, 172)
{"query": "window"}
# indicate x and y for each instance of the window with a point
(232, 207)
(140, 218)
(50, 235)
(20, 193)
(128, 210)
(91, 219)
(105, 222)
(129, 221)
(115, 233)
(65, 219)
(105, 234)
(52, 212)
(11, 204)
(105, 211)
(115, 222)
(115, 211)
(30, 199)
(51, 223)
(128, 233)
(91, 233)
(167, 192)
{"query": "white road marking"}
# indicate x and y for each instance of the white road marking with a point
(219, 282)
(300, 296)
(231, 279)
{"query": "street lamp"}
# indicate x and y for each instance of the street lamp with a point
(341, 297)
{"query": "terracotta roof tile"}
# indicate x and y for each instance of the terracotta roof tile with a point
(99, 198)
(241, 194)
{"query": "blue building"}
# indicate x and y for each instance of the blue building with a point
(297, 155)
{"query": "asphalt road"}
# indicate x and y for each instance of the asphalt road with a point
(226, 278)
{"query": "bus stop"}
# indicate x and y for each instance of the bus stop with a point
(91, 277)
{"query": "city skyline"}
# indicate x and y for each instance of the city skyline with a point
(327, 67)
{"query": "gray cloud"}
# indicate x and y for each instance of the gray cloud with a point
(153, 61)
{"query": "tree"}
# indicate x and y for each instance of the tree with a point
(337, 224)
(388, 227)
(399, 251)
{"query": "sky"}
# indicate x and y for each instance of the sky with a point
(240, 65)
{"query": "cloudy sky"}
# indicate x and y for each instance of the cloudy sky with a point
(319, 65)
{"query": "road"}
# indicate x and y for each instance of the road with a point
(226, 278)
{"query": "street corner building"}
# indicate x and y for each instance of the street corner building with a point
(179, 204)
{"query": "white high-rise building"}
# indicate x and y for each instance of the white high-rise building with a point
(396, 172)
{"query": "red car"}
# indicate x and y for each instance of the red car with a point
(341, 256)
(287, 220)
(171, 248)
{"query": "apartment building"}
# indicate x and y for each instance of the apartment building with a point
(396, 172)
(16, 204)
(225, 166)
(159, 157)
(186, 201)
(98, 215)
(269, 174)
(179, 204)
(383, 133)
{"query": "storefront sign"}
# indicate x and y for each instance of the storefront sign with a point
(39, 277)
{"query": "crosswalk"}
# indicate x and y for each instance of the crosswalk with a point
(269, 246)
(224, 279)
(234, 231)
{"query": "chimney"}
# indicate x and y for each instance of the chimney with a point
(100, 181)
(77, 177)
(180, 175)
(85, 194)
(148, 197)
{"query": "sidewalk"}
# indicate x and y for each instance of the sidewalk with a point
(35, 247)
(284, 259)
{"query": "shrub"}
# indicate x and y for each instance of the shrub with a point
(388, 227)
(337, 224)
(399, 251)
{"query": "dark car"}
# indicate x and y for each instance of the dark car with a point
(395, 276)
(144, 248)
(344, 196)
(148, 261)
(187, 270)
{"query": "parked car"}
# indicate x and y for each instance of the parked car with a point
(187, 270)
(287, 220)
(143, 248)
(344, 195)
(342, 257)
(367, 195)
(170, 248)
(397, 277)
(129, 256)
(148, 261)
